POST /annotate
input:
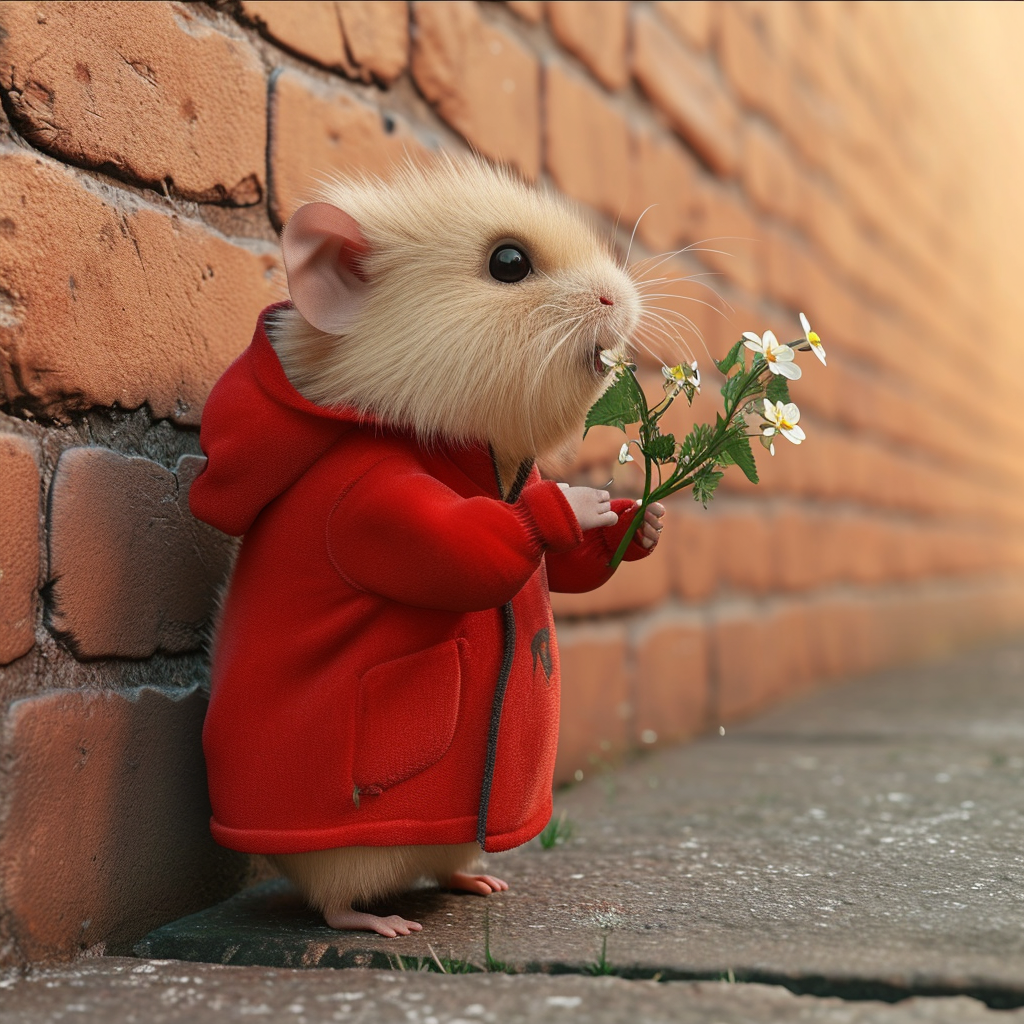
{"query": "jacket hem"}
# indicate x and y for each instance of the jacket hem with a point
(381, 833)
(533, 827)
(371, 833)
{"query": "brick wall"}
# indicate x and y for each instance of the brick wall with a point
(820, 157)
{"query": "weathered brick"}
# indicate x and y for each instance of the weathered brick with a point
(746, 550)
(377, 36)
(317, 130)
(805, 549)
(111, 302)
(754, 72)
(747, 661)
(693, 540)
(149, 92)
(728, 237)
(686, 89)
(19, 545)
(596, 33)
(588, 143)
(309, 28)
(529, 10)
(635, 585)
(482, 82)
(671, 698)
(133, 572)
(794, 648)
(693, 21)
(664, 173)
(596, 705)
(769, 173)
(105, 821)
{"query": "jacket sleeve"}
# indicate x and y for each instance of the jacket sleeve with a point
(585, 567)
(404, 535)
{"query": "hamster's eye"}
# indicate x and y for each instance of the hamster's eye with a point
(509, 263)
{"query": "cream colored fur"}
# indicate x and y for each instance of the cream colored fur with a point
(335, 879)
(443, 349)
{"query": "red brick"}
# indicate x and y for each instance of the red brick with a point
(670, 679)
(804, 553)
(588, 144)
(746, 660)
(309, 28)
(782, 264)
(377, 36)
(596, 33)
(794, 647)
(635, 585)
(106, 820)
(664, 173)
(132, 571)
(769, 173)
(727, 237)
(692, 535)
(133, 305)
(149, 92)
(693, 21)
(686, 89)
(529, 10)
(318, 130)
(753, 71)
(482, 82)
(840, 638)
(596, 704)
(746, 550)
(19, 545)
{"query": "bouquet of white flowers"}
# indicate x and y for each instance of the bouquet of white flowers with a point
(698, 460)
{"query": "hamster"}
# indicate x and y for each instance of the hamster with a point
(450, 310)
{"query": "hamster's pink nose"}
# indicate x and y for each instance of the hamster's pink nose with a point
(605, 301)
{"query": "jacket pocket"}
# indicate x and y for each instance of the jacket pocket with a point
(407, 712)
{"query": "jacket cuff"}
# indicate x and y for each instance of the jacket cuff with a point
(625, 509)
(549, 517)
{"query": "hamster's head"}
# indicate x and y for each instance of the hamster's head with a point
(455, 301)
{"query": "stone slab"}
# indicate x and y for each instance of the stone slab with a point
(880, 861)
(109, 990)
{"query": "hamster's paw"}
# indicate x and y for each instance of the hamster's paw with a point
(354, 921)
(482, 885)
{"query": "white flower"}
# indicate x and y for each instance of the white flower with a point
(677, 376)
(813, 340)
(615, 362)
(779, 357)
(624, 455)
(783, 419)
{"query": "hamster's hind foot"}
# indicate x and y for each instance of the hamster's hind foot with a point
(482, 885)
(351, 920)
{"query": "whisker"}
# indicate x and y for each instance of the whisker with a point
(629, 248)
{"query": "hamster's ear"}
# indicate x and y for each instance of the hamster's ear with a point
(323, 250)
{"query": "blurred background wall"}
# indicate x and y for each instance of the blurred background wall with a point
(859, 162)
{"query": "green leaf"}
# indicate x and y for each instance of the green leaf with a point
(732, 388)
(622, 404)
(732, 357)
(695, 444)
(778, 389)
(704, 483)
(739, 451)
(661, 448)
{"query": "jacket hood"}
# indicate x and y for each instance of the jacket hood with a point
(259, 436)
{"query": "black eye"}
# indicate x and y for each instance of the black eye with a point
(509, 263)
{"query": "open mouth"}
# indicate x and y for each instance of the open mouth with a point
(599, 367)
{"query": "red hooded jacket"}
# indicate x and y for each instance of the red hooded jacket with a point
(385, 670)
